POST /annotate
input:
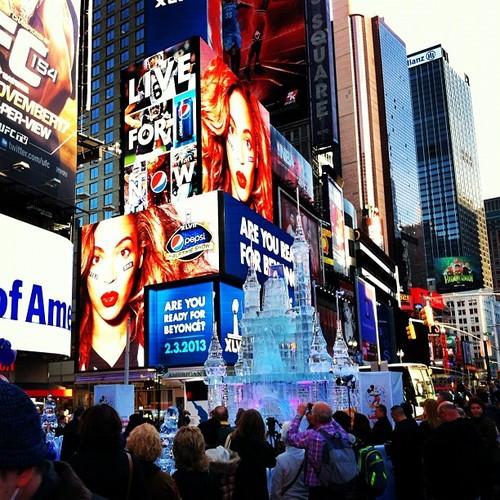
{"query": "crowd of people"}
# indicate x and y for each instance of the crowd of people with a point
(452, 452)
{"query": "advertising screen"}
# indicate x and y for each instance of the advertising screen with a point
(288, 222)
(337, 226)
(326, 244)
(184, 18)
(290, 166)
(180, 324)
(38, 84)
(247, 237)
(36, 280)
(367, 318)
(230, 313)
(236, 146)
(159, 128)
(120, 256)
(264, 42)
(457, 273)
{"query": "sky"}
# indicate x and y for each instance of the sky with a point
(469, 32)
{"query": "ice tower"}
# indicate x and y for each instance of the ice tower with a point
(215, 371)
(283, 357)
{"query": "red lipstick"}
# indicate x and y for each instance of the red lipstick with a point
(109, 299)
(242, 180)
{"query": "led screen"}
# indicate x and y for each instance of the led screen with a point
(337, 227)
(457, 273)
(367, 318)
(35, 288)
(120, 256)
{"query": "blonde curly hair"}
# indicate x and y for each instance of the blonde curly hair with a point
(145, 443)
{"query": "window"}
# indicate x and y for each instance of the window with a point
(109, 137)
(110, 78)
(140, 18)
(111, 20)
(110, 121)
(95, 85)
(110, 7)
(139, 49)
(94, 173)
(94, 114)
(97, 15)
(96, 70)
(109, 93)
(125, 27)
(108, 215)
(139, 34)
(108, 199)
(93, 203)
(124, 42)
(110, 49)
(108, 183)
(94, 100)
(94, 129)
(108, 168)
(124, 57)
(97, 28)
(110, 63)
(110, 36)
(93, 188)
(96, 42)
(125, 13)
(80, 177)
(109, 108)
(93, 218)
(139, 5)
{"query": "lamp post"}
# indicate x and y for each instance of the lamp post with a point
(400, 353)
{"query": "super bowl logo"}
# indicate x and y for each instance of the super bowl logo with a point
(189, 242)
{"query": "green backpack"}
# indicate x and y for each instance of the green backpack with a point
(371, 468)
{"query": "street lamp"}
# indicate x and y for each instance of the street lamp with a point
(400, 353)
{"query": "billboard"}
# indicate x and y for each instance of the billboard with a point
(38, 83)
(322, 87)
(180, 324)
(249, 237)
(185, 19)
(36, 280)
(159, 128)
(290, 166)
(120, 256)
(180, 320)
(367, 320)
(265, 43)
(288, 222)
(457, 273)
(337, 226)
(236, 146)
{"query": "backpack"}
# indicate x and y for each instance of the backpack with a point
(372, 470)
(338, 463)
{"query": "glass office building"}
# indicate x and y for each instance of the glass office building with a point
(492, 209)
(452, 210)
(399, 154)
(115, 39)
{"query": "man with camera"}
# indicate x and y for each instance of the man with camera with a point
(319, 416)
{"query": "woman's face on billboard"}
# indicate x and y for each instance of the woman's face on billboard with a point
(240, 147)
(113, 265)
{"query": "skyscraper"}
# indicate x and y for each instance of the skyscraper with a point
(452, 211)
(492, 209)
(399, 157)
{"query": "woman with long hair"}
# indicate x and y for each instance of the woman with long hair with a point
(235, 140)
(120, 256)
(256, 454)
(430, 420)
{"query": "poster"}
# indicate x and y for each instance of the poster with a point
(457, 273)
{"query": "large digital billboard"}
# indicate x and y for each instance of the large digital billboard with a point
(288, 222)
(236, 146)
(185, 19)
(180, 324)
(457, 273)
(38, 83)
(180, 320)
(290, 166)
(159, 128)
(120, 256)
(36, 280)
(248, 238)
(367, 320)
(264, 42)
(337, 226)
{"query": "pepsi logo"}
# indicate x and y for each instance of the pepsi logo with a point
(184, 109)
(159, 181)
(177, 242)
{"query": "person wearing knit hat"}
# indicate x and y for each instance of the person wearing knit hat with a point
(25, 472)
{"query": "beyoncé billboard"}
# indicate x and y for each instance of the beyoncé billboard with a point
(38, 82)
(166, 112)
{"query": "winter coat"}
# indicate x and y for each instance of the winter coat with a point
(159, 485)
(223, 473)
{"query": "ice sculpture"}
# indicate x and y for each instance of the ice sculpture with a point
(283, 357)
(168, 429)
(215, 370)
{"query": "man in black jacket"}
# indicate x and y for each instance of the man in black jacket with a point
(24, 471)
(453, 447)
(405, 452)
(382, 430)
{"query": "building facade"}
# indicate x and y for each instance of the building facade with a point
(476, 315)
(492, 211)
(452, 211)
(399, 155)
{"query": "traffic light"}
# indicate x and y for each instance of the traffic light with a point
(427, 315)
(410, 332)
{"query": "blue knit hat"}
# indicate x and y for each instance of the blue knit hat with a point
(22, 442)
